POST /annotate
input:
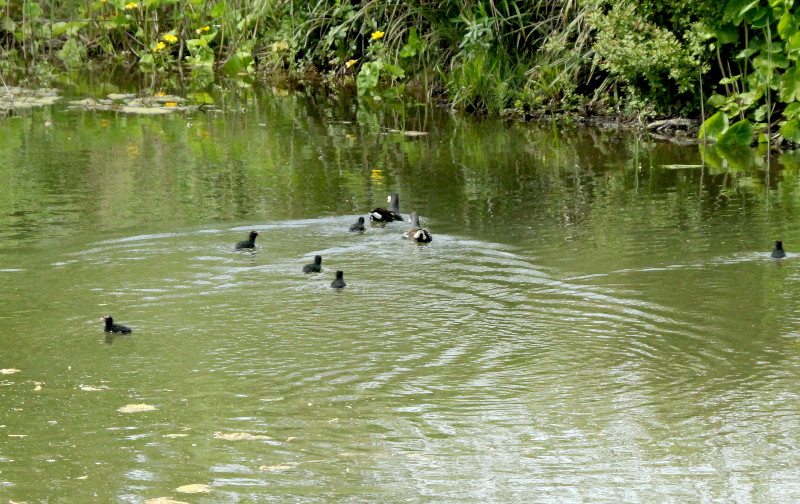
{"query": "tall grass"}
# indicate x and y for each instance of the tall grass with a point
(478, 55)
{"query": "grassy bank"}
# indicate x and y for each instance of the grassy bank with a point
(591, 57)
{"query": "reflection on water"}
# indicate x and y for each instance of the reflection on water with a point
(587, 324)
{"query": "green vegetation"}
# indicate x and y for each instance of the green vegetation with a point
(635, 59)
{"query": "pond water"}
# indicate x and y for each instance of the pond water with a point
(597, 318)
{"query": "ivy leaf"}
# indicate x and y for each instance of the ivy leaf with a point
(714, 126)
(739, 134)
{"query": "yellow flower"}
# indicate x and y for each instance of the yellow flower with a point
(377, 35)
(131, 5)
(160, 47)
(350, 63)
(203, 29)
(170, 104)
(170, 38)
(161, 93)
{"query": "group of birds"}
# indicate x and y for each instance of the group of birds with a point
(379, 216)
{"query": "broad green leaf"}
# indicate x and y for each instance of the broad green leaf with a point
(727, 34)
(716, 101)
(203, 97)
(217, 11)
(738, 134)
(736, 8)
(368, 77)
(395, 71)
(793, 46)
(238, 63)
(72, 54)
(792, 110)
(714, 126)
(121, 20)
(790, 85)
(766, 62)
(791, 130)
(787, 26)
(414, 46)
(757, 18)
(31, 10)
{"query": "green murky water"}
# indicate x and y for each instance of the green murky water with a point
(593, 321)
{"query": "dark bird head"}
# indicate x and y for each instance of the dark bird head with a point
(317, 259)
(253, 235)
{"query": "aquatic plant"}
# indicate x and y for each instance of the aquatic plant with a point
(757, 45)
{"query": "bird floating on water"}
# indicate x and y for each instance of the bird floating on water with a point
(417, 233)
(778, 252)
(338, 282)
(249, 243)
(111, 327)
(314, 267)
(384, 215)
(358, 227)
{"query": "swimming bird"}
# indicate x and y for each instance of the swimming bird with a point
(249, 243)
(338, 282)
(778, 252)
(112, 327)
(358, 227)
(417, 233)
(314, 267)
(388, 215)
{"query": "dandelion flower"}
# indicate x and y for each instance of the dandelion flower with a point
(170, 104)
(131, 5)
(161, 93)
(377, 35)
(350, 63)
(170, 38)
(160, 47)
(203, 29)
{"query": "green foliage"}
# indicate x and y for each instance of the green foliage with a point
(738, 134)
(714, 126)
(499, 56)
(658, 64)
(763, 82)
(717, 128)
